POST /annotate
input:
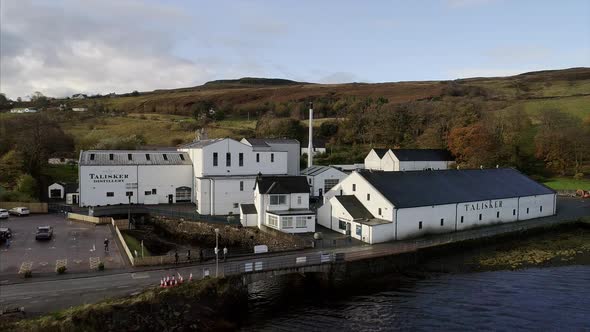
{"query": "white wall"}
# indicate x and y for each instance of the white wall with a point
(318, 181)
(533, 203)
(219, 195)
(470, 211)
(382, 233)
(55, 186)
(165, 179)
(408, 220)
(248, 220)
(310, 220)
(422, 165)
(372, 161)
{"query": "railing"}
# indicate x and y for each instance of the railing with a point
(262, 264)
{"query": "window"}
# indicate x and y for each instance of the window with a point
(147, 193)
(129, 156)
(497, 214)
(301, 222)
(368, 197)
(298, 200)
(379, 210)
(442, 221)
(419, 225)
(513, 212)
(461, 219)
(241, 159)
(241, 185)
(154, 191)
(110, 194)
(287, 222)
(342, 225)
(354, 187)
(272, 157)
(129, 193)
(278, 199)
(309, 180)
(236, 205)
(527, 210)
(540, 209)
(111, 156)
(329, 184)
(228, 159)
(215, 159)
(147, 156)
(359, 230)
(272, 221)
(480, 216)
(165, 156)
(181, 156)
(258, 157)
(92, 156)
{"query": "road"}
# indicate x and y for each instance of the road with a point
(39, 296)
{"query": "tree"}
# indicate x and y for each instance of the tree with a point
(4, 102)
(473, 146)
(27, 185)
(11, 165)
(39, 100)
(269, 126)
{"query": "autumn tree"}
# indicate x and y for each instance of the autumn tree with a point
(473, 146)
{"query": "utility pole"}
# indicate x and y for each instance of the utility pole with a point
(216, 252)
(310, 145)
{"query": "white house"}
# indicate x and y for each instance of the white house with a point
(61, 191)
(23, 110)
(79, 109)
(56, 190)
(109, 177)
(319, 146)
(282, 203)
(322, 178)
(378, 206)
(225, 170)
(408, 159)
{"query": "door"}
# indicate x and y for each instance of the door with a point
(348, 226)
(74, 199)
(321, 190)
(170, 199)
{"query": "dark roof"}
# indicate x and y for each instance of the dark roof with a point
(380, 152)
(264, 142)
(138, 157)
(282, 184)
(71, 188)
(317, 169)
(355, 208)
(248, 209)
(424, 188)
(423, 155)
(317, 143)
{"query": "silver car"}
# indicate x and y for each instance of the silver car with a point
(3, 214)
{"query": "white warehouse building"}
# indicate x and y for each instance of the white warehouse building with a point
(225, 170)
(322, 178)
(109, 177)
(408, 159)
(377, 206)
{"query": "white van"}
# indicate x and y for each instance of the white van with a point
(19, 211)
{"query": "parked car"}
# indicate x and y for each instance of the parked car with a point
(44, 233)
(19, 211)
(3, 214)
(5, 233)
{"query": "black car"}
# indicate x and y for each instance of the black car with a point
(44, 233)
(5, 233)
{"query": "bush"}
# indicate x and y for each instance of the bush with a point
(579, 176)
(61, 270)
(28, 274)
(101, 266)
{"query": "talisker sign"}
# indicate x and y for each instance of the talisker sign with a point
(108, 178)
(483, 206)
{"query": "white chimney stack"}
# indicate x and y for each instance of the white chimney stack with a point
(310, 145)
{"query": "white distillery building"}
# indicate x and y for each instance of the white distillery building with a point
(109, 177)
(322, 178)
(377, 206)
(225, 170)
(280, 202)
(408, 159)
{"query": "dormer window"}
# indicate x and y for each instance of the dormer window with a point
(111, 156)
(181, 157)
(165, 157)
(92, 156)
(129, 156)
(147, 156)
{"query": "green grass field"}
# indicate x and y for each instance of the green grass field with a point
(135, 245)
(568, 184)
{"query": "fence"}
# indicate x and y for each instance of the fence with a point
(94, 220)
(187, 215)
(33, 207)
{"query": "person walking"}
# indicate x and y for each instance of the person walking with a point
(224, 253)
(175, 257)
(188, 255)
(201, 258)
(106, 245)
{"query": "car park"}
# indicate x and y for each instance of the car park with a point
(44, 233)
(19, 211)
(4, 214)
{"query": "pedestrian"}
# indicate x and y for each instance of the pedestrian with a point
(188, 255)
(106, 245)
(200, 255)
(224, 253)
(175, 257)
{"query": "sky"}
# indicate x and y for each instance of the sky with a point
(62, 47)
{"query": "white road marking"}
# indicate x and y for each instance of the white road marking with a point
(25, 266)
(139, 275)
(43, 263)
(51, 247)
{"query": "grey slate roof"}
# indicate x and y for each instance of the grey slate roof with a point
(282, 184)
(264, 142)
(200, 143)
(138, 157)
(315, 170)
(248, 209)
(355, 208)
(424, 188)
(422, 155)
(70, 188)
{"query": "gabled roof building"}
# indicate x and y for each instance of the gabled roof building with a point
(408, 159)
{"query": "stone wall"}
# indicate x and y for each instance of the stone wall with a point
(203, 234)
